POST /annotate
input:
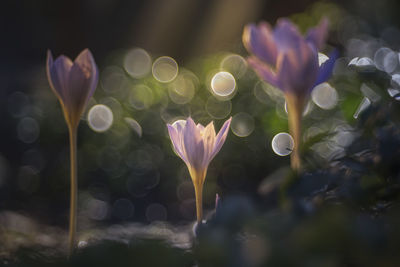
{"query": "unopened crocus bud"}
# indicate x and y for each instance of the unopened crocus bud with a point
(73, 83)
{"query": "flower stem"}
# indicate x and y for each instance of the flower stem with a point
(295, 106)
(198, 190)
(74, 189)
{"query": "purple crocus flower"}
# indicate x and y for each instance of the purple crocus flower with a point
(197, 146)
(286, 59)
(73, 82)
(289, 61)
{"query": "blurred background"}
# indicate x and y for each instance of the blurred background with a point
(161, 61)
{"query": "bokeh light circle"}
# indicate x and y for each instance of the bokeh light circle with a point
(282, 144)
(113, 104)
(135, 126)
(182, 89)
(234, 64)
(223, 84)
(385, 59)
(112, 79)
(306, 110)
(325, 96)
(365, 63)
(97, 209)
(273, 93)
(100, 118)
(28, 130)
(165, 69)
(141, 97)
(137, 63)
(242, 124)
(218, 109)
(322, 58)
(396, 80)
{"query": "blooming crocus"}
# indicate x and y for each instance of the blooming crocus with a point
(197, 146)
(73, 83)
(289, 61)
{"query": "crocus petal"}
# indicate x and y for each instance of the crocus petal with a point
(58, 74)
(176, 142)
(317, 36)
(209, 141)
(82, 82)
(284, 73)
(49, 66)
(200, 127)
(286, 35)
(325, 70)
(220, 138)
(193, 144)
(260, 42)
(263, 70)
(297, 69)
(85, 61)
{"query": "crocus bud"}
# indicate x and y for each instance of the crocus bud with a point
(73, 83)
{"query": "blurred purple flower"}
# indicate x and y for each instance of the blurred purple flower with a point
(73, 82)
(197, 146)
(285, 59)
(289, 61)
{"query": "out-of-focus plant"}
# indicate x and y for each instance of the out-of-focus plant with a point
(73, 83)
(289, 61)
(197, 146)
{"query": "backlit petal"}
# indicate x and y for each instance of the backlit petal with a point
(193, 144)
(88, 66)
(176, 142)
(286, 35)
(209, 141)
(220, 138)
(317, 36)
(263, 70)
(259, 41)
(298, 69)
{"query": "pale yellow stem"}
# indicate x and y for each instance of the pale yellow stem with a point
(198, 178)
(199, 202)
(74, 189)
(295, 105)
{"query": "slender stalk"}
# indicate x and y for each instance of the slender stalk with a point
(74, 189)
(295, 105)
(198, 190)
